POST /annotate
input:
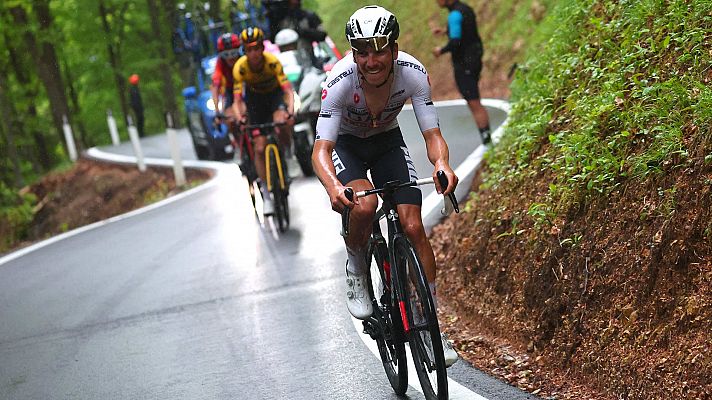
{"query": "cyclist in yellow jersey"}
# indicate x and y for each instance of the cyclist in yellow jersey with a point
(263, 89)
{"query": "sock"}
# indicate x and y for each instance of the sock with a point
(432, 293)
(357, 261)
(485, 132)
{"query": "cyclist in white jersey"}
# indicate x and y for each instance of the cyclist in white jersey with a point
(357, 132)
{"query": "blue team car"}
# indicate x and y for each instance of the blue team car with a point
(211, 142)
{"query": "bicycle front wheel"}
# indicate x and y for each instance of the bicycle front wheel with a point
(389, 335)
(423, 329)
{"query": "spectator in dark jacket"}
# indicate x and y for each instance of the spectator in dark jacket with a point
(465, 46)
(289, 14)
(136, 104)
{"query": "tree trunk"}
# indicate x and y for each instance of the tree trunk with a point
(20, 63)
(48, 67)
(169, 93)
(114, 58)
(6, 129)
(76, 108)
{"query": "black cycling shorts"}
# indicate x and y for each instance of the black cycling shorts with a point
(261, 106)
(467, 78)
(385, 155)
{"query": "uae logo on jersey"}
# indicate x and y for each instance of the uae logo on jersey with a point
(323, 94)
(356, 98)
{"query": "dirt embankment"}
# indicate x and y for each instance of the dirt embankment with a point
(614, 301)
(93, 191)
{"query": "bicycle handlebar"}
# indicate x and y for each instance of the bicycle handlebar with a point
(394, 186)
(262, 126)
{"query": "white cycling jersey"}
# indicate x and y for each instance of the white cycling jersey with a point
(343, 105)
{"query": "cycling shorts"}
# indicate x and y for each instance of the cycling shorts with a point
(261, 106)
(467, 78)
(385, 155)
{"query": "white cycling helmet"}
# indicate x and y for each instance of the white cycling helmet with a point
(286, 37)
(372, 26)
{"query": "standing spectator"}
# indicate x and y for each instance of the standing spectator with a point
(465, 46)
(136, 103)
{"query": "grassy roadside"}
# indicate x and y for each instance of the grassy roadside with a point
(589, 233)
(625, 96)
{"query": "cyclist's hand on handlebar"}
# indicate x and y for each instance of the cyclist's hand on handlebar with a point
(339, 200)
(452, 179)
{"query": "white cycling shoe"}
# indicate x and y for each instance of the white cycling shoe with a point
(358, 300)
(449, 352)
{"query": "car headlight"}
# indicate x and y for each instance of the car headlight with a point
(211, 106)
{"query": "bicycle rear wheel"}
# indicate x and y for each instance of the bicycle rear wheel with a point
(279, 195)
(389, 337)
(424, 331)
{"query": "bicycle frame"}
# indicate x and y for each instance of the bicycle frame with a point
(395, 233)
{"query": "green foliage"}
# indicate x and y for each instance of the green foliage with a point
(16, 213)
(608, 92)
(413, 21)
(81, 43)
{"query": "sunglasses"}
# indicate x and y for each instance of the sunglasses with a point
(232, 53)
(377, 43)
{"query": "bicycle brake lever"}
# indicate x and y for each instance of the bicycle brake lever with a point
(349, 193)
(442, 179)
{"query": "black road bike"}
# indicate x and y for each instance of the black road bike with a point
(403, 308)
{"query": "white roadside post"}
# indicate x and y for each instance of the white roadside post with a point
(133, 135)
(113, 131)
(178, 170)
(69, 138)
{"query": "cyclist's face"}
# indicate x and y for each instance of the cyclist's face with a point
(254, 55)
(376, 65)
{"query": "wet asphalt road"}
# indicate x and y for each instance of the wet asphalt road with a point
(197, 299)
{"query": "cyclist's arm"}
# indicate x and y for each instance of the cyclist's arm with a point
(215, 88)
(289, 97)
(214, 95)
(439, 156)
(238, 104)
(286, 87)
(326, 172)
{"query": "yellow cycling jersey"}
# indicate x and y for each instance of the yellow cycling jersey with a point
(270, 78)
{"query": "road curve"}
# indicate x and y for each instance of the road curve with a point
(195, 298)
